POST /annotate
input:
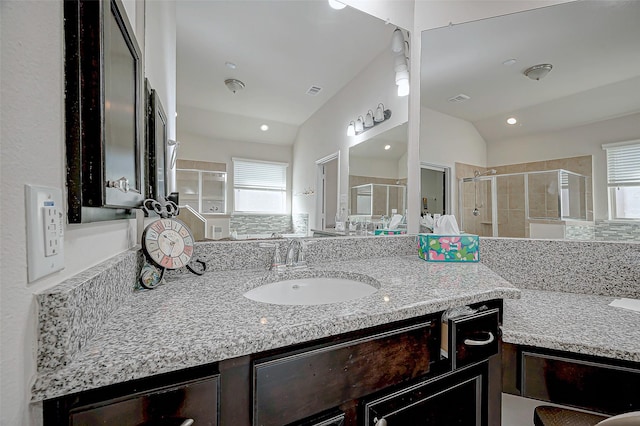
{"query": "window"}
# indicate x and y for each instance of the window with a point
(623, 179)
(259, 186)
(201, 186)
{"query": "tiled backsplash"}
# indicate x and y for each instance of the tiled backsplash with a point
(261, 224)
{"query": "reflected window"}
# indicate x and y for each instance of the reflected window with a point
(201, 186)
(623, 179)
(259, 186)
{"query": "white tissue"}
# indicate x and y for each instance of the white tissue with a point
(427, 221)
(631, 304)
(395, 221)
(446, 225)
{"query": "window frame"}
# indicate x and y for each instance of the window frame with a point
(613, 187)
(284, 190)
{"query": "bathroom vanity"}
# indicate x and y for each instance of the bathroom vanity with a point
(391, 374)
(198, 349)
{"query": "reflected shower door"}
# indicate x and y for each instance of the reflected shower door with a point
(476, 201)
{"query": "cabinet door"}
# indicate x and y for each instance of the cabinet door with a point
(190, 403)
(454, 399)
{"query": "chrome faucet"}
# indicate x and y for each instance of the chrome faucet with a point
(293, 253)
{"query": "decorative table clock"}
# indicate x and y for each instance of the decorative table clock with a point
(167, 243)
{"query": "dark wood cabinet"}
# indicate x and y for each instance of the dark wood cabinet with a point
(456, 398)
(592, 383)
(393, 372)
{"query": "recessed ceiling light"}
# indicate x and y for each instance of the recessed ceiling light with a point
(509, 62)
(511, 120)
(264, 127)
(336, 4)
(387, 147)
(231, 65)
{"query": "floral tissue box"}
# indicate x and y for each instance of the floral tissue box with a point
(449, 248)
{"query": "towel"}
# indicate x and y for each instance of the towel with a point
(446, 225)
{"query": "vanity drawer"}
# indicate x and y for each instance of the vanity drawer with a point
(473, 338)
(172, 406)
(295, 386)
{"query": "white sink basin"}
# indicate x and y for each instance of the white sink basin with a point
(311, 291)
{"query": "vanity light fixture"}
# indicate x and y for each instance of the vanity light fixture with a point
(351, 129)
(538, 72)
(335, 4)
(512, 120)
(379, 115)
(387, 147)
(368, 119)
(401, 64)
(371, 120)
(264, 127)
(397, 41)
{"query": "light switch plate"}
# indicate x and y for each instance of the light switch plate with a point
(45, 230)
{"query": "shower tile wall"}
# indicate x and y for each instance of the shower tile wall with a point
(543, 196)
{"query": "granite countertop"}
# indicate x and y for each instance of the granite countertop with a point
(578, 323)
(198, 320)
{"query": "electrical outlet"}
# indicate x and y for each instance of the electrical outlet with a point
(45, 230)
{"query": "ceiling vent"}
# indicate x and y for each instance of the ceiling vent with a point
(460, 98)
(314, 90)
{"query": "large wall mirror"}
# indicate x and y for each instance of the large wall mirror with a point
(568, 76)
(247, 83)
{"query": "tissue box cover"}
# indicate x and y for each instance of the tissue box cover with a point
(390, 231)
(449, 248)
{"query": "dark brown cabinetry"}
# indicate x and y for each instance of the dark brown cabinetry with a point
(457, 398)
(592, 383)
(393, 373)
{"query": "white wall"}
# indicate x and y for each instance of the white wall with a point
(326, 131)
(160, 62)
(445, 140)
(582, 140)
(32, 151)
(204, 148)
(373, 167)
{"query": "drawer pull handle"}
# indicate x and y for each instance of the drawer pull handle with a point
(471, 342)
(187, 422)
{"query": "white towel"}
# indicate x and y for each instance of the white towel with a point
(446, 225)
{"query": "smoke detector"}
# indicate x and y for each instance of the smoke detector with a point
(234, 85)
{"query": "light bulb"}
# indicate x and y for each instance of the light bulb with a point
(397, 41)
(336, 4)
(368, 119)
(511, 120)
(403, 87)
(351, 129)
(264, 127)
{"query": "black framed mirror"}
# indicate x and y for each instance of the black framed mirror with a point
(156, 150)
(104, 112)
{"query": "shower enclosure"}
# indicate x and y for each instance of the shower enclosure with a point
(504, 205)
(374, 199)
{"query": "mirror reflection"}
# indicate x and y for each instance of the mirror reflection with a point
(251, 89)
(527, 124)
(378, 174)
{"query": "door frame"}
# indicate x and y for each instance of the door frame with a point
(321, 193)
(447, 182)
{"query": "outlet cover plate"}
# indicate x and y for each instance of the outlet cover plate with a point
(41, 201)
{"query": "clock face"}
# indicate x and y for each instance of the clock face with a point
(168, 242)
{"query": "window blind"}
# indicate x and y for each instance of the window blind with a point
(259, 174)
(623, 165)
